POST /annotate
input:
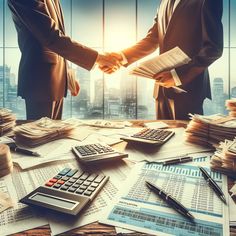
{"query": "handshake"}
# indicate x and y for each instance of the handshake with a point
(109, 62)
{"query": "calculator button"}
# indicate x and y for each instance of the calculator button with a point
(72, 189)
(68, 184)
(72, 181)
(91, 188)
(86, 183)
(91, 177)
(84, 176)
(83, 187)
(57, 177)
(76, 185)
(49, 184)
(88, 193)
(64, 188)
(71, 173)
(65, 178)
(53, 180)
(99, 179)
(64, 171)
(79, 191)
(57, 186)
(94, 185)
(79, 182)
(61, 182)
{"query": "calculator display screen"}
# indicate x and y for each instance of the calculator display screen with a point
(54, 201)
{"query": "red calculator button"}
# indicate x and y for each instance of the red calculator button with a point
(61, 182)
(49, 184)
(53, 180)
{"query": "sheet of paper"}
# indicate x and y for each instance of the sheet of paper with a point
(60, 224)
(175, 146)
(20, 217)
(156, 125)
(5, 202)
(58, 150)
(232, 212)
(233, 190)
(139, 209)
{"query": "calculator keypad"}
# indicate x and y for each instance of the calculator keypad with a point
(78, 183)
(153, 134)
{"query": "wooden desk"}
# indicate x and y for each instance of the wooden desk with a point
(97, 229)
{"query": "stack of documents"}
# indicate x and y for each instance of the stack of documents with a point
(7, 120)
(231, 106)
(210, 130)
(224, 159)
(43, 131)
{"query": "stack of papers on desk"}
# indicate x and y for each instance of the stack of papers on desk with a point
(210, 130)
(43, 131)
(224, 159)
(7, 120)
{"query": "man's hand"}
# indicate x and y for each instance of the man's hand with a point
(76, 89)
(108, 63)
(165, 79)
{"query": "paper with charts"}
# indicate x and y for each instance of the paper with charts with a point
(139, 209)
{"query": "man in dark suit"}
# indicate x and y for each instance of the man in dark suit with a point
(44, 47)
(195, 27)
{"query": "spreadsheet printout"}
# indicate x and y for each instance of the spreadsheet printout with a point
(137, 208)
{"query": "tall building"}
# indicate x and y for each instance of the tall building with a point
(128, 93)
(218, 96)
(81, 104)
(233, 92)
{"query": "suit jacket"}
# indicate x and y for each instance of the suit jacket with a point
(44, 48)
(196, 28)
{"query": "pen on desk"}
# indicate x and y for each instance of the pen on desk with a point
(213, 184)
(177, 160)
(171, 201)
(17, 149)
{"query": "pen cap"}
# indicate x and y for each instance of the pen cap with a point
(6, 165)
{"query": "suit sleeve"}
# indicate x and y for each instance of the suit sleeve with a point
(144, 47)
(33, 14)
(212, 45)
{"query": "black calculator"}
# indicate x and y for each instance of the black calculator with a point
(67, 192)
(150, 136)
(96, 153)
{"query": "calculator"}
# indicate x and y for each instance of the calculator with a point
(67, 192)
(150, 136)
(97, 153)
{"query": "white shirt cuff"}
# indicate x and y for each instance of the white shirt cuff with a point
(124, 59)
(175, 77)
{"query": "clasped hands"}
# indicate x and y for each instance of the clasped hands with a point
(111, 62)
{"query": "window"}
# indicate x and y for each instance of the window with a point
(107, 25)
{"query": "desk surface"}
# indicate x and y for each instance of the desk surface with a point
(97, 229)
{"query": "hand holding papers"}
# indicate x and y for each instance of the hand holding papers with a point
(43, 131)
(164, 62)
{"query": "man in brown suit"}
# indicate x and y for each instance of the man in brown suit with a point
(194, 26)
(45, 47)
